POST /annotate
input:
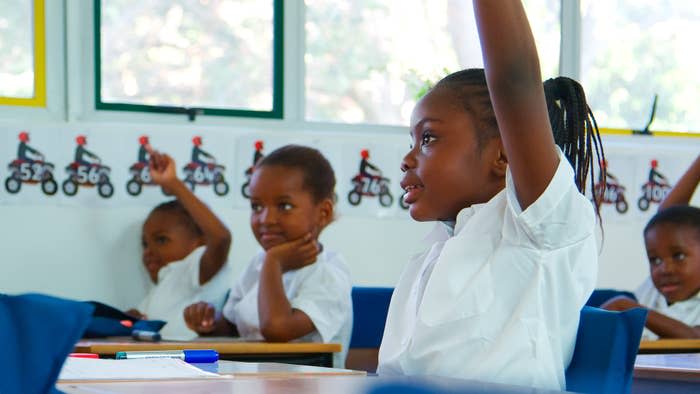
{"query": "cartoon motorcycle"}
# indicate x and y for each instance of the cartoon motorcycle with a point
(652, 192)
(32, 172)
(140, 175)
(370, 185)
(206, 174)
(612, 193)
(245, 188)
(88, 175)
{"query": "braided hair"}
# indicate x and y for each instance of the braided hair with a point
(573, 125)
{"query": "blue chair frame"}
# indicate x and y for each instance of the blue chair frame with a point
(370, 306)
(606, 347)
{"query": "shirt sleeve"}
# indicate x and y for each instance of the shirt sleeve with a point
(560, 217)
(249, 277)
(324, 295)
(192, 262)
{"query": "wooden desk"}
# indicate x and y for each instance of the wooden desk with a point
(655, 373)
(670, 346)
(312, 385)
(315, 354)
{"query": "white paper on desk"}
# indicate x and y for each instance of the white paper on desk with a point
(136, 369)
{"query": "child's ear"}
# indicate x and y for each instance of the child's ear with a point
(325, 212)
(500, 163)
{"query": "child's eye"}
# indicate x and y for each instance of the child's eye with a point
(655, 261)
(256, 207)
(679, 256)
(161, 240)
(427, 138)
(285, 206)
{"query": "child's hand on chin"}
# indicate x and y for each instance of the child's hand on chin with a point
(294, 254)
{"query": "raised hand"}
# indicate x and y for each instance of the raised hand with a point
(163, 169)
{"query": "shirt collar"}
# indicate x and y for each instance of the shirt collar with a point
(446, 229)
(466, 214)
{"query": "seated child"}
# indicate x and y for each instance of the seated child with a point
(185, 248)
(497, 296)
(672, 293)
(293, 289)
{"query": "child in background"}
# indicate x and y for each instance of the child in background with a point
(185, 249)
(293, 289)
(672, 292)
(497, 296)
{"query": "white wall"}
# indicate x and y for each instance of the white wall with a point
(92, 251)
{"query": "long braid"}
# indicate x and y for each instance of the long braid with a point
(575, 131)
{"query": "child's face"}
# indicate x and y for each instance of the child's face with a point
(165, 239)
(446, 170)
(674, 260)
(282, 210)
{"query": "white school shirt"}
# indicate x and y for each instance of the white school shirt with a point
(686, 311)
(502, 301)
(321, 290)
(178, 287)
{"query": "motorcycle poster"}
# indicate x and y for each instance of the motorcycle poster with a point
(29, 168)
(656, 187)
(612, 191)
(204, 170)
(258, 154)
(139, 171)
(370, 185)
(87, 171)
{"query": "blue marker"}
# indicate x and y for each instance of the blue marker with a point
(190, 356)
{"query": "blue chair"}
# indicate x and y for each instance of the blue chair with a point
(369, 307)
(600, 296)
(37, 332)
(606, 347)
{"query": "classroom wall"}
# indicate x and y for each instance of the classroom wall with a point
(90, 249)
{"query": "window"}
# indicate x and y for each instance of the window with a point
(22, 70)
(221, 56)
(367, 60)
(633, 50)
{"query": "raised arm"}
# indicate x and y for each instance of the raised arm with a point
(217, 238)
(683, 191)
(515, 86)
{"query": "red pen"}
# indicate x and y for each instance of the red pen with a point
(84, 355)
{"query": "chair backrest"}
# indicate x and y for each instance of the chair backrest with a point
(600, 296)
(369, 307)
(606, 347)
(37, 332)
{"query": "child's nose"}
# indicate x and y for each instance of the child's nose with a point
(668, 267)
(268, 216)
(408, 161)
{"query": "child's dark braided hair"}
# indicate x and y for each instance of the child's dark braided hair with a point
(574, 127)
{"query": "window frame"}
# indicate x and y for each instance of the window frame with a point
(277, 111)
(38, 61)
